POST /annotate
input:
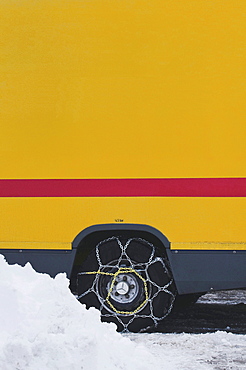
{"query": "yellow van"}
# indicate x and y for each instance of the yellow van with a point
(123, 148)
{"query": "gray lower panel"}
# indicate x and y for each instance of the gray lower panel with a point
(201, 271)
(51, 262)
(193, 271)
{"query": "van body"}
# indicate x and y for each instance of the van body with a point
(125, 117)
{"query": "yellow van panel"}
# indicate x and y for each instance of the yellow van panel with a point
(35, 245)
(184, 221)
(123, 89)
(116, 89)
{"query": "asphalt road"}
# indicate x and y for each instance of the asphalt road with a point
(224, 311)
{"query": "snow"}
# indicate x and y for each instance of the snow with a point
(230, 297)
(44, 327)
(220, 351)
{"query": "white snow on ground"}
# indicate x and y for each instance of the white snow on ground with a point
(43, 327)
(220, 351)
(224, 297)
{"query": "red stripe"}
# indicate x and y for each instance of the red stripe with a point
(192, 187)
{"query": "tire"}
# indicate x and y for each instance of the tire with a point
(129, 282)
(185, 300)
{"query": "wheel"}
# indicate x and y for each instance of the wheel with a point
(129, 282)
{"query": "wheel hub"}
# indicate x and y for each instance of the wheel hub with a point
(125, 288)
(122, 288)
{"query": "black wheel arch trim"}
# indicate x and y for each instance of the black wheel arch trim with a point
(123, 227)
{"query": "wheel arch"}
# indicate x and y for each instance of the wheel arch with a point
(88, 238)
(106, 228)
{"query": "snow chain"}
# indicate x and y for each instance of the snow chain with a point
(135, 268)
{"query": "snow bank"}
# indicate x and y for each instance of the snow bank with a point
(43, 326)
